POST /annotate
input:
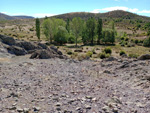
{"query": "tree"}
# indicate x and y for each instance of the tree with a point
(61, 36)
(76, 26)
(47, 29)
(91, 26)
(68, 25)
(99, 30)
(38, 28)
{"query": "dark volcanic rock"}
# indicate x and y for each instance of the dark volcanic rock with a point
(28, 45)
(43, 54)
(144, 57)
(7, 40)
(16, 50)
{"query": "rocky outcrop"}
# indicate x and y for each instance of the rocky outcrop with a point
(16, 50)
(46, 54)
(144, 57)
(7, 40)
(38, 50)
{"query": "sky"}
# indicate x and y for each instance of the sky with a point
(42, 8)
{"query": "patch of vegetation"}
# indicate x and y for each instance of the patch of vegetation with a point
(122, 52)
(107, 50)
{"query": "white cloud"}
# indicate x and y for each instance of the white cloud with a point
(95, 11)
(144, 11)
(134, 10)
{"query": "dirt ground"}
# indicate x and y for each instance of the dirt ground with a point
(119, 85)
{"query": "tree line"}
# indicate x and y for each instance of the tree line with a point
(72, 31)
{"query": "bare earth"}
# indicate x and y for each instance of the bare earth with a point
(69, 86)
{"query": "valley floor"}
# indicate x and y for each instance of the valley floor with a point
(68, 86)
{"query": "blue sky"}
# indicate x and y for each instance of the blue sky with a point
(42, 8)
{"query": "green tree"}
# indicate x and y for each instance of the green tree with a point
(61, 35)
(68, 25)
(37, 24)
(91, 27)
(47, 29)
(99, 30)
(76, 26)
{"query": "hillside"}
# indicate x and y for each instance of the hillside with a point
(111, 14)
(7, 17)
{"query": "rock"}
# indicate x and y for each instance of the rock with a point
(42, 45)
(42, 54)
(106, 109)
(26, 110)
(36, 108)
(87, 106)
(110, 59)
(56, 50)
(115, 110)
(58, 104)
(7, 40)
(19, 109)
(89, 97)
(12, 108)
(27, 45)
(144, 57)
(16, 50)
(107, 71)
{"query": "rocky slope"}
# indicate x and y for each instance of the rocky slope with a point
(114, 85)
(57, 85)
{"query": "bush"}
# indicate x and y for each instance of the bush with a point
(108, 50)
(69, 53)
(127, 39)
(71, 39)
(146, 42)
(103, 55)
(89, 54)
(136, 41)
(122, 52)
(133, 55)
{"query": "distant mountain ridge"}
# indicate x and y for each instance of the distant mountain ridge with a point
(7, 17)
(111, 14)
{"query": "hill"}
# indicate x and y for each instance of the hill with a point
(23, 17)
(7, 17)
(111, 14)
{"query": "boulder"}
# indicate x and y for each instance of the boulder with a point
(144, 57)
(27, 45)
(56, 50)
(43, 54)
(7, 40)
(42, 45)
(16, 50)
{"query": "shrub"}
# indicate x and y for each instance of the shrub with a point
(136, 41)
(108, 50)
(71, 39)
(103, 55)
(127, 39)
(82, 57)
(133, 55)
(146, 42)
(122, 52)
(69, 53)
(89, 54)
